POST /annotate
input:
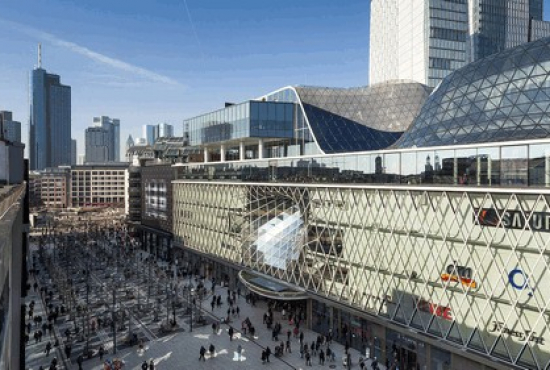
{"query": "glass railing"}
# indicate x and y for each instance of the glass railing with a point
(518, 164)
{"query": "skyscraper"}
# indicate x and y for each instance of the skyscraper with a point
(164, 130)
(73, 152)
(50, 120)
(425, 40)
(149, 134)
(103, 140)
(11, 129)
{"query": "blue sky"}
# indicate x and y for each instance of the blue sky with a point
(148, 62)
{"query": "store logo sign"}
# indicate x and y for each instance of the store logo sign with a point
(435, 309)
(523, 335)
(519, 281)
(538, 221)
(459, 274)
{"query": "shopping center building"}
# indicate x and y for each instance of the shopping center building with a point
(416, 226)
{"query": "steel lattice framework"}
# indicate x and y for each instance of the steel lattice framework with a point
(466, 265)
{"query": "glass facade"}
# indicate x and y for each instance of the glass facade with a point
(504, 165)
(425, 41)
(252, 119)
(50, 122)
(465, 265)
(354, 119)
(503, 97)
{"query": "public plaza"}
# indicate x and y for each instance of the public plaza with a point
(158, 317)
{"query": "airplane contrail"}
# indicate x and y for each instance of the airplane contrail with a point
(98, 57)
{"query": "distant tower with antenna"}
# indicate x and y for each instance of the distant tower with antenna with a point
(50, 119)
(39, 55)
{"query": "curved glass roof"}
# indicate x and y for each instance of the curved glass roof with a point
(354, 119)
(499, 98)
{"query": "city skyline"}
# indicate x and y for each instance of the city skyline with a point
(192, 70)
(189, 67)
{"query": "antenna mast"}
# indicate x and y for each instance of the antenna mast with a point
(39, 55)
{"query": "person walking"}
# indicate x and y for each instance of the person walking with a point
(288, 346)
(68, 350)
(267, 353)
(202, 352)
(151, 365)
(321, 357)
(144, 365)
(308, 359)
(212, 350)
(79, 361)
(239, 351)
(48, 348)
(214, 326)
(101, 352)
(230, 332)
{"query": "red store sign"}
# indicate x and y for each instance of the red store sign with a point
(435, 309)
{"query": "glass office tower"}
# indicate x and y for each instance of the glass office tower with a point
(50, 121)
(426, 40)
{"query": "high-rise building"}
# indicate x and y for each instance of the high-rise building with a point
(11, 129)
(426, 40)
(73, 152)
(149, 134)
(164, 130)
(50, 120)
(103, 140)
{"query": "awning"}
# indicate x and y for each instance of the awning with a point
(270, 287)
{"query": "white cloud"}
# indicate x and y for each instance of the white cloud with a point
(93, 55)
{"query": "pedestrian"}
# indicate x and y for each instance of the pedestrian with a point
(302, 352)
(238, 310)
(213, 304)
(202, 352)
(313, 349)
(288, 334)
(374, 364)
(48, 348)
(288, 346)
(263, 356)
(321, 357)
(308, 359)
(267, 353)
(53, 364)
(301, 337)
(144, 365)
(211, 349)
(214, 328)
(79, 361)
(230, 331)
(101, 352)
(35, 337)
(239, 351)
(68, 350)
(151, 365)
